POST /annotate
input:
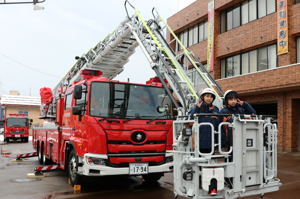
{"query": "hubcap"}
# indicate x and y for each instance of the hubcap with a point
(72, 168)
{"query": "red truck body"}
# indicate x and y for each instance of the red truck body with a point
(118, 131)
(16, 127)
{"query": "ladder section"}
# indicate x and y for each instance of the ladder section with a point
(202, 78)
(111, 54)
(108, 56)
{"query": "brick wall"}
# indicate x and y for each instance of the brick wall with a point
(281, 85)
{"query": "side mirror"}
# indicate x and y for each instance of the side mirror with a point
(31, 120)
(77, 92)
(76, 110)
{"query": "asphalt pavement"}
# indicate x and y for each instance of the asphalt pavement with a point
(14, 183)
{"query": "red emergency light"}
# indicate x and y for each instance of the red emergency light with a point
(89, 72)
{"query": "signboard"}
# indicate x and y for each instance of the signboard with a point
(282, 27)
(210, 37)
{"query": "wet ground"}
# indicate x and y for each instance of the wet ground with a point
(14, 183)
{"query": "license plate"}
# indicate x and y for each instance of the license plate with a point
(17, 136)
(138, 168)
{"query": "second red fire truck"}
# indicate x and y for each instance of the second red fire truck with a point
(16, 127)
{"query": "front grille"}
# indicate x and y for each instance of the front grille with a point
(130, 143)
(17, 131)
(127, 164)
(135, 154)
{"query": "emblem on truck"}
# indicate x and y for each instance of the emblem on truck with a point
(138, 136)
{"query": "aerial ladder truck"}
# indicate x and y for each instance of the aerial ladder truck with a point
(248, 167)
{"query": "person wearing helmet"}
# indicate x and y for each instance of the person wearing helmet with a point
(205, 106)
(233, 105)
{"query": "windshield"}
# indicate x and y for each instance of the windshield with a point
(128, 101)
(16, 122)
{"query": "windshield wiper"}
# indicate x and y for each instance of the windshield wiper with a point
(156, 118)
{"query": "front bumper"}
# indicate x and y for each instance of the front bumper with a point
(103, 170)
(16, 135)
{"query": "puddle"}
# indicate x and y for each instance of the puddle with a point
(24, 180)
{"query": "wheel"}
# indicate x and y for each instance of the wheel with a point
(7, 140)
(45, 160)
(74, 177)
(152, 177)
(26, 139)
(40, 154)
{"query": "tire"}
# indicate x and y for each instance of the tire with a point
(7, 140)
(26, 139)
(45, 160)
(40, 154)
(73, 176)
(152, 177)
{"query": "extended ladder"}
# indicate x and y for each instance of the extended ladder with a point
(111, 54)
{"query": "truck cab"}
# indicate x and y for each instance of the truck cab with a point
(16, 127)
(110, 128)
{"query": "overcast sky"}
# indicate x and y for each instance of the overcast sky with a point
(37, 48)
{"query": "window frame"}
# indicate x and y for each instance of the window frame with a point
(224, 61)
(224, 14)
(69, 94)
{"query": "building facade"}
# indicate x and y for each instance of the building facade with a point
(246, 55)
(18, 104)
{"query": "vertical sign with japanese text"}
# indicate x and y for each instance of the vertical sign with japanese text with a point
(210, 36)
(282, 27)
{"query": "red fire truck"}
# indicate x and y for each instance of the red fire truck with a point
(16, 127)
(105, 127)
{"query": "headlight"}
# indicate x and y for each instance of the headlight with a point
(95, 161)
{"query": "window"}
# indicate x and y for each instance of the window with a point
(236, 17)
(229, 20)
(201, 33)
(68, 101)
(298, 50)
(181, 39)
(82, 100)
(229, 67)
(223, 22)
(195, 34)
(272, 58)
(245, 13)
(262, 8)
(245, 63)
(271, 6)
(255, 60)
(262, 63)
(185, 38)
(223, 68)
(205, 30)
(252, 10)
(191, 36)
